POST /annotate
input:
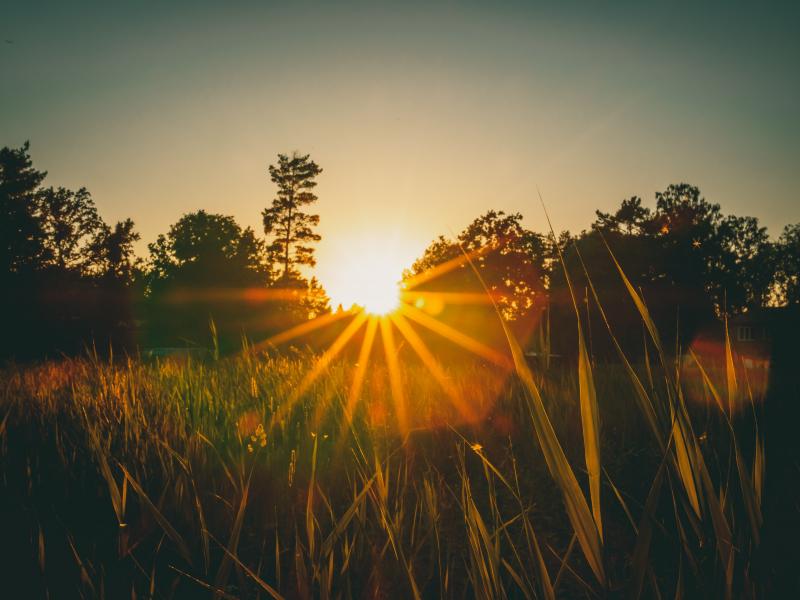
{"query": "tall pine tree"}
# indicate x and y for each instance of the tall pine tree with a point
(285, 222)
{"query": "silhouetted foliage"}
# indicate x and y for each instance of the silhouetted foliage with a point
(202, 270)
(290, 228)
(113, 255)
(495, 251)
(69, 224)
(207, 250)
(20, 230)
(690, 261)
(316, 301)
(509, 258)
(787, 261)
(71, 279)
(65, 274)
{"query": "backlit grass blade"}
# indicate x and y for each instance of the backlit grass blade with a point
(171, 532)
(642, 397)
(591, 430)
(577, 509)
(750, 486)
(730, 371)
(590, 418)
(684, 462)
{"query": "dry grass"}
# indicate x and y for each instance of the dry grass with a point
(168, 480)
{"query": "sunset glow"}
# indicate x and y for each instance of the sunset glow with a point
(368, 275)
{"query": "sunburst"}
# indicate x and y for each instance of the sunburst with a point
(387, 315)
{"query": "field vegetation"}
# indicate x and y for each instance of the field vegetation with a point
(175, 479)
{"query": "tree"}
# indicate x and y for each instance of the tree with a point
(207, 250)
(509, 258)
(787, 262)
(112, 252)
(316, 301)
(631, 218)
(747, 268)
(715, 262)
(290, 228)
(204, 268)
(69, 224)
(20, 229)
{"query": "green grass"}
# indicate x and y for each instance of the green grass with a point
(135, 479)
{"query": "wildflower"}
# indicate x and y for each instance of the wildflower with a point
(258, 438)
(696, 243)
(250, 448)
(476, 447)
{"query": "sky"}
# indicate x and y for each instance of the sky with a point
(422, 115)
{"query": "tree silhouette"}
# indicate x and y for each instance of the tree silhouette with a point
(202, 269)
(290, 228)
(69, 224)
(316, 301)
(208, 250)
(509, 258)
(787, 259)
(112, 252)
(65, 274)
(20, 230)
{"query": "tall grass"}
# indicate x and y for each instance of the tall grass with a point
(166, 480)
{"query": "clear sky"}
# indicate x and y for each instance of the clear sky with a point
(422, 116)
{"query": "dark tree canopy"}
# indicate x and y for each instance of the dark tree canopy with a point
(209, 250)
(285, 222)
(787, 260)
(65, 274)
(509, 258)
(687, 243)
(69, 225)
(113, 253)
(20, 239)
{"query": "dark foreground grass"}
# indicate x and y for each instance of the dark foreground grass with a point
(185, 480)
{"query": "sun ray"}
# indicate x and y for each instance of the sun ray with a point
(393, 368)
(322, 363)
(445, 267)
(250, 294)
(301, 329)
(361, 365)
(456, 336)
(414, 296)
(432, 364)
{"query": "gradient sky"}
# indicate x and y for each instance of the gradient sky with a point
(422, 117)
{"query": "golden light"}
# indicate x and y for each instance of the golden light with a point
(380, 310)
(368, 275)
(379, 299)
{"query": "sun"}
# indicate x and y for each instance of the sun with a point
(380, 301)
(368, 276)
(370, 282)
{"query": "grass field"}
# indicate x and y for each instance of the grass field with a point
(168, 479)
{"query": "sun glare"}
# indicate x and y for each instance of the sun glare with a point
(368, 276)
(380, 301)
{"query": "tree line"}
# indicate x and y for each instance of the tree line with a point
(692, 264)
(71, 280)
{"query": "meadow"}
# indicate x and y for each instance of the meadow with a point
(187, 478)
